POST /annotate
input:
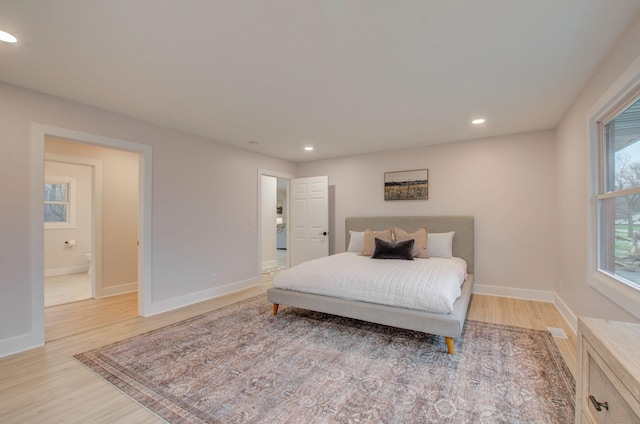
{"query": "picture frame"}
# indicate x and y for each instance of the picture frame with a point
(406, 185)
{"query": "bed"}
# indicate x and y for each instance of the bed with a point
(448, 324)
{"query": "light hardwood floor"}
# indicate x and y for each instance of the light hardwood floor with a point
(79, 317)
(47, 385)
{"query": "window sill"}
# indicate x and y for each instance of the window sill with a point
(620, 293)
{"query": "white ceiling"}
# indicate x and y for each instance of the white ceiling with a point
(345, 76)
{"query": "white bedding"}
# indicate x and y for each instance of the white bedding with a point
(426, 284)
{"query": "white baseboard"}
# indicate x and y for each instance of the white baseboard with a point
(116, 290)
(527, 294)
(20, 344)
(566, 313)
(190, 299)
(52, 272)
(270, 265)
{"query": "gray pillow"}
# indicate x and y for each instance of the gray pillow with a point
(400, 250)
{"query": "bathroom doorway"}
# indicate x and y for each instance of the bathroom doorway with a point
(87, 314)
(91, 221)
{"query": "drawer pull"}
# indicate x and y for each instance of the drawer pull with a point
(598, 405)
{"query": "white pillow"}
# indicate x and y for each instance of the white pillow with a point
(440, 245)
(356, 238)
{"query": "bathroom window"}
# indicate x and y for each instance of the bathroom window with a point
(59, 202)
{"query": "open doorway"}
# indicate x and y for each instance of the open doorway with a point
(274, 223)
(303, 223)
(282, 219)
(143, 181)
(91, 205)
(91, 221)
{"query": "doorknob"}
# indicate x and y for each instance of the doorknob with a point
(324, 233)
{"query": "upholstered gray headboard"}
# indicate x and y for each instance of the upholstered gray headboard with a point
(462, 225)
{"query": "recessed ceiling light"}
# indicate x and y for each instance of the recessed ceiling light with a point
(7, 38)
(308, 148)
(478, 121)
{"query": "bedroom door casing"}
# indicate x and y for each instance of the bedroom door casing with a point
(309, 218)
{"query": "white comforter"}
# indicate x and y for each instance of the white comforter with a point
(425, 284)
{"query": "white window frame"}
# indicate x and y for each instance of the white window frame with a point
(621, 93)
(71, 202)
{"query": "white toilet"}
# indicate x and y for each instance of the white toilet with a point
(88, 257)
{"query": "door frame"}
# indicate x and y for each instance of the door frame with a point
(279, 175)
(38, 134)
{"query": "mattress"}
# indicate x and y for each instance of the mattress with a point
(431, 285)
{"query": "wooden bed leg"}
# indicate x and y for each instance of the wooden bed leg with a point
(275, 309)
(450, 345)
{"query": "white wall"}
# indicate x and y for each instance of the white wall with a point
(204, 206)
(59, 258)
(506, 183)
(572, 154)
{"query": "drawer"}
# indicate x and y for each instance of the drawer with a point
(604, 386)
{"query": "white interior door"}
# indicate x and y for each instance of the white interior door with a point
(309, 222)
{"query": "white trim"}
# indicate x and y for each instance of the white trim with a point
(568, 315)
(19, 343)
(620, 92)
(526, 294)
(116, 290)
(270, 265)
(201, 296)
(35, 336)
(53, 272)
(145, 288)
(617, 291)
(618, 193)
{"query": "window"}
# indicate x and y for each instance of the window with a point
(59, 202)
(618, 198)
(613, 266)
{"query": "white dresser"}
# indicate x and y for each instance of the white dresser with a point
(608, 380)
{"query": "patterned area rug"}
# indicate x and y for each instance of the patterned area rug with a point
(242, 364)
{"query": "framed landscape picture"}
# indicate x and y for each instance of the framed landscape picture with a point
(406, 185)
